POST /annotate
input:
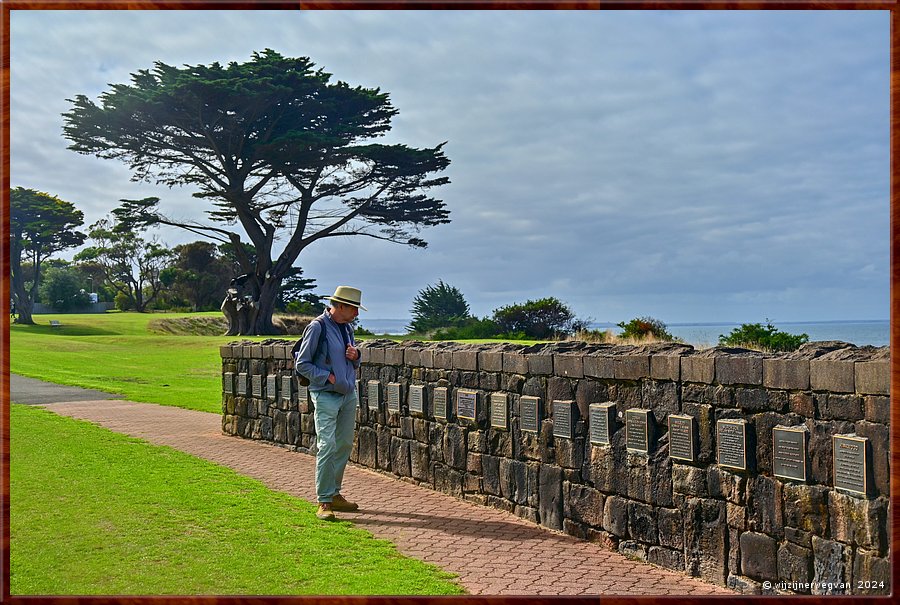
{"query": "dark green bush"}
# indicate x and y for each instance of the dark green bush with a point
(474, 328)
(764, 337)
(538, 319)
(439, 306)
(641, 328)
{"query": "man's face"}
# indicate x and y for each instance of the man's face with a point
(344, 314)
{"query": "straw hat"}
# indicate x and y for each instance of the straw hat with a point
(347, 296)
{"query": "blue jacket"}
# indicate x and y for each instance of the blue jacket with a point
(317, 365)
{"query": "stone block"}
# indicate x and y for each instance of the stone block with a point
(455, 446)
(412, 357)
(515, 363)
(465, 360)
(879, 437)
(689, 480)
(632, 367)
(393, 356)
(666, 557)
(599, 366)
(759, 558)
(726, 485)
(374, 355)
(490, 467)
(764, 506)
(633, 550)
(448, 480)
(790, 374)
(615, 516)
(706, 539)
(802, 404)
(540, 364)
(443, 359)
(739, 370)
(550, 506)
(383, 451)
(400, 464)
(426, 358)
(225, 352)
(744, 586)
(820, 448)
(570, 366)
(858, 521)
(665, 367)
(420, 461)
(662, 397)
(877, 409)
(670, 524)
(871, 574)
(514, 480)
(698, 369)
(583, 504)
(490, 361)
(805, 507)
(795, 565)
(832, 375)
(831, 567)
(832, 406)
(604, 462)
(873, 377)
(642, 523)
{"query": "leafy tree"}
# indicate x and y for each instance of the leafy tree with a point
(544, 318)
(198, 275)
(765, 337)
(277, 148)
(641, 328)
(130, 264)
(295, 289)
(439, 306)
(40, 225)
(63, 288)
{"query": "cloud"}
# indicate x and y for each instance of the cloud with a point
(683, 164)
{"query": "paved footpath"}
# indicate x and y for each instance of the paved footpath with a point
(492, 552)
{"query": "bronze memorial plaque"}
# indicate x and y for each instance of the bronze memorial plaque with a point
(242, 385)
(731, 443)
(440, 403)
(563, 419)
(466, 404)
(374, 394)
(850, 472)
(637, 430)
(417, 399)
(287, 386)
(303, 397)
(789, 452)
(228, 382)
(393, 396)
(271, 382)
(682, 440)
(499, 410)
(256, 385)
(529, 413)
(602, 422)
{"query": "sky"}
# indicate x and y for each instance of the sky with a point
(693, 166)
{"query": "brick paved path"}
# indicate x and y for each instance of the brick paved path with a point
(493, 552)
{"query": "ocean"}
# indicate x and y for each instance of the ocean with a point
(858, 332)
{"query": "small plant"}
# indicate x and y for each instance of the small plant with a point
(643, 328)
(763, 337)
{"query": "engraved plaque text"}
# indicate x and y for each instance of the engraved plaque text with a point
(850, 463)
(417, 398)
(286, 388)
(789, 453)
(563, 423)
(731, 437)
(393, 396)
(499, 410)
(528, 413)
(682, 443)
(440, 403)
(602, 420)
(374, 392)
(637, 430)
(466, 404)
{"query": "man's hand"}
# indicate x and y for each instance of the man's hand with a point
(332, 378)
(352, 353)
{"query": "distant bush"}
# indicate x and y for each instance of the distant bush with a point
(61, 289)
(642, 328)
(438, 306)
(539, 319)
(361, 331)
(474, 328)
(764, 337)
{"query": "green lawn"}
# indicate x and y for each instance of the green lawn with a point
(94, 512)
(115, 352)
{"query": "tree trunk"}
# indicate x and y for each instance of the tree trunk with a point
(249, 310)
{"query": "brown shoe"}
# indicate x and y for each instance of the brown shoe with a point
(341, 504)
(325, 511)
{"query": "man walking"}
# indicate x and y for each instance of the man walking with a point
(330, 362)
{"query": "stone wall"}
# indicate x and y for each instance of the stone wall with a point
(724, 505)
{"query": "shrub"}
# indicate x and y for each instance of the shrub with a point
(474, 328)
(439, 306)
(641, 328)
(763, 337)
(540, 319)
(62, 289)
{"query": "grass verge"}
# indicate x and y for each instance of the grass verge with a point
(94, 512)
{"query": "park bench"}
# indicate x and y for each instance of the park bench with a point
(54, 323)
